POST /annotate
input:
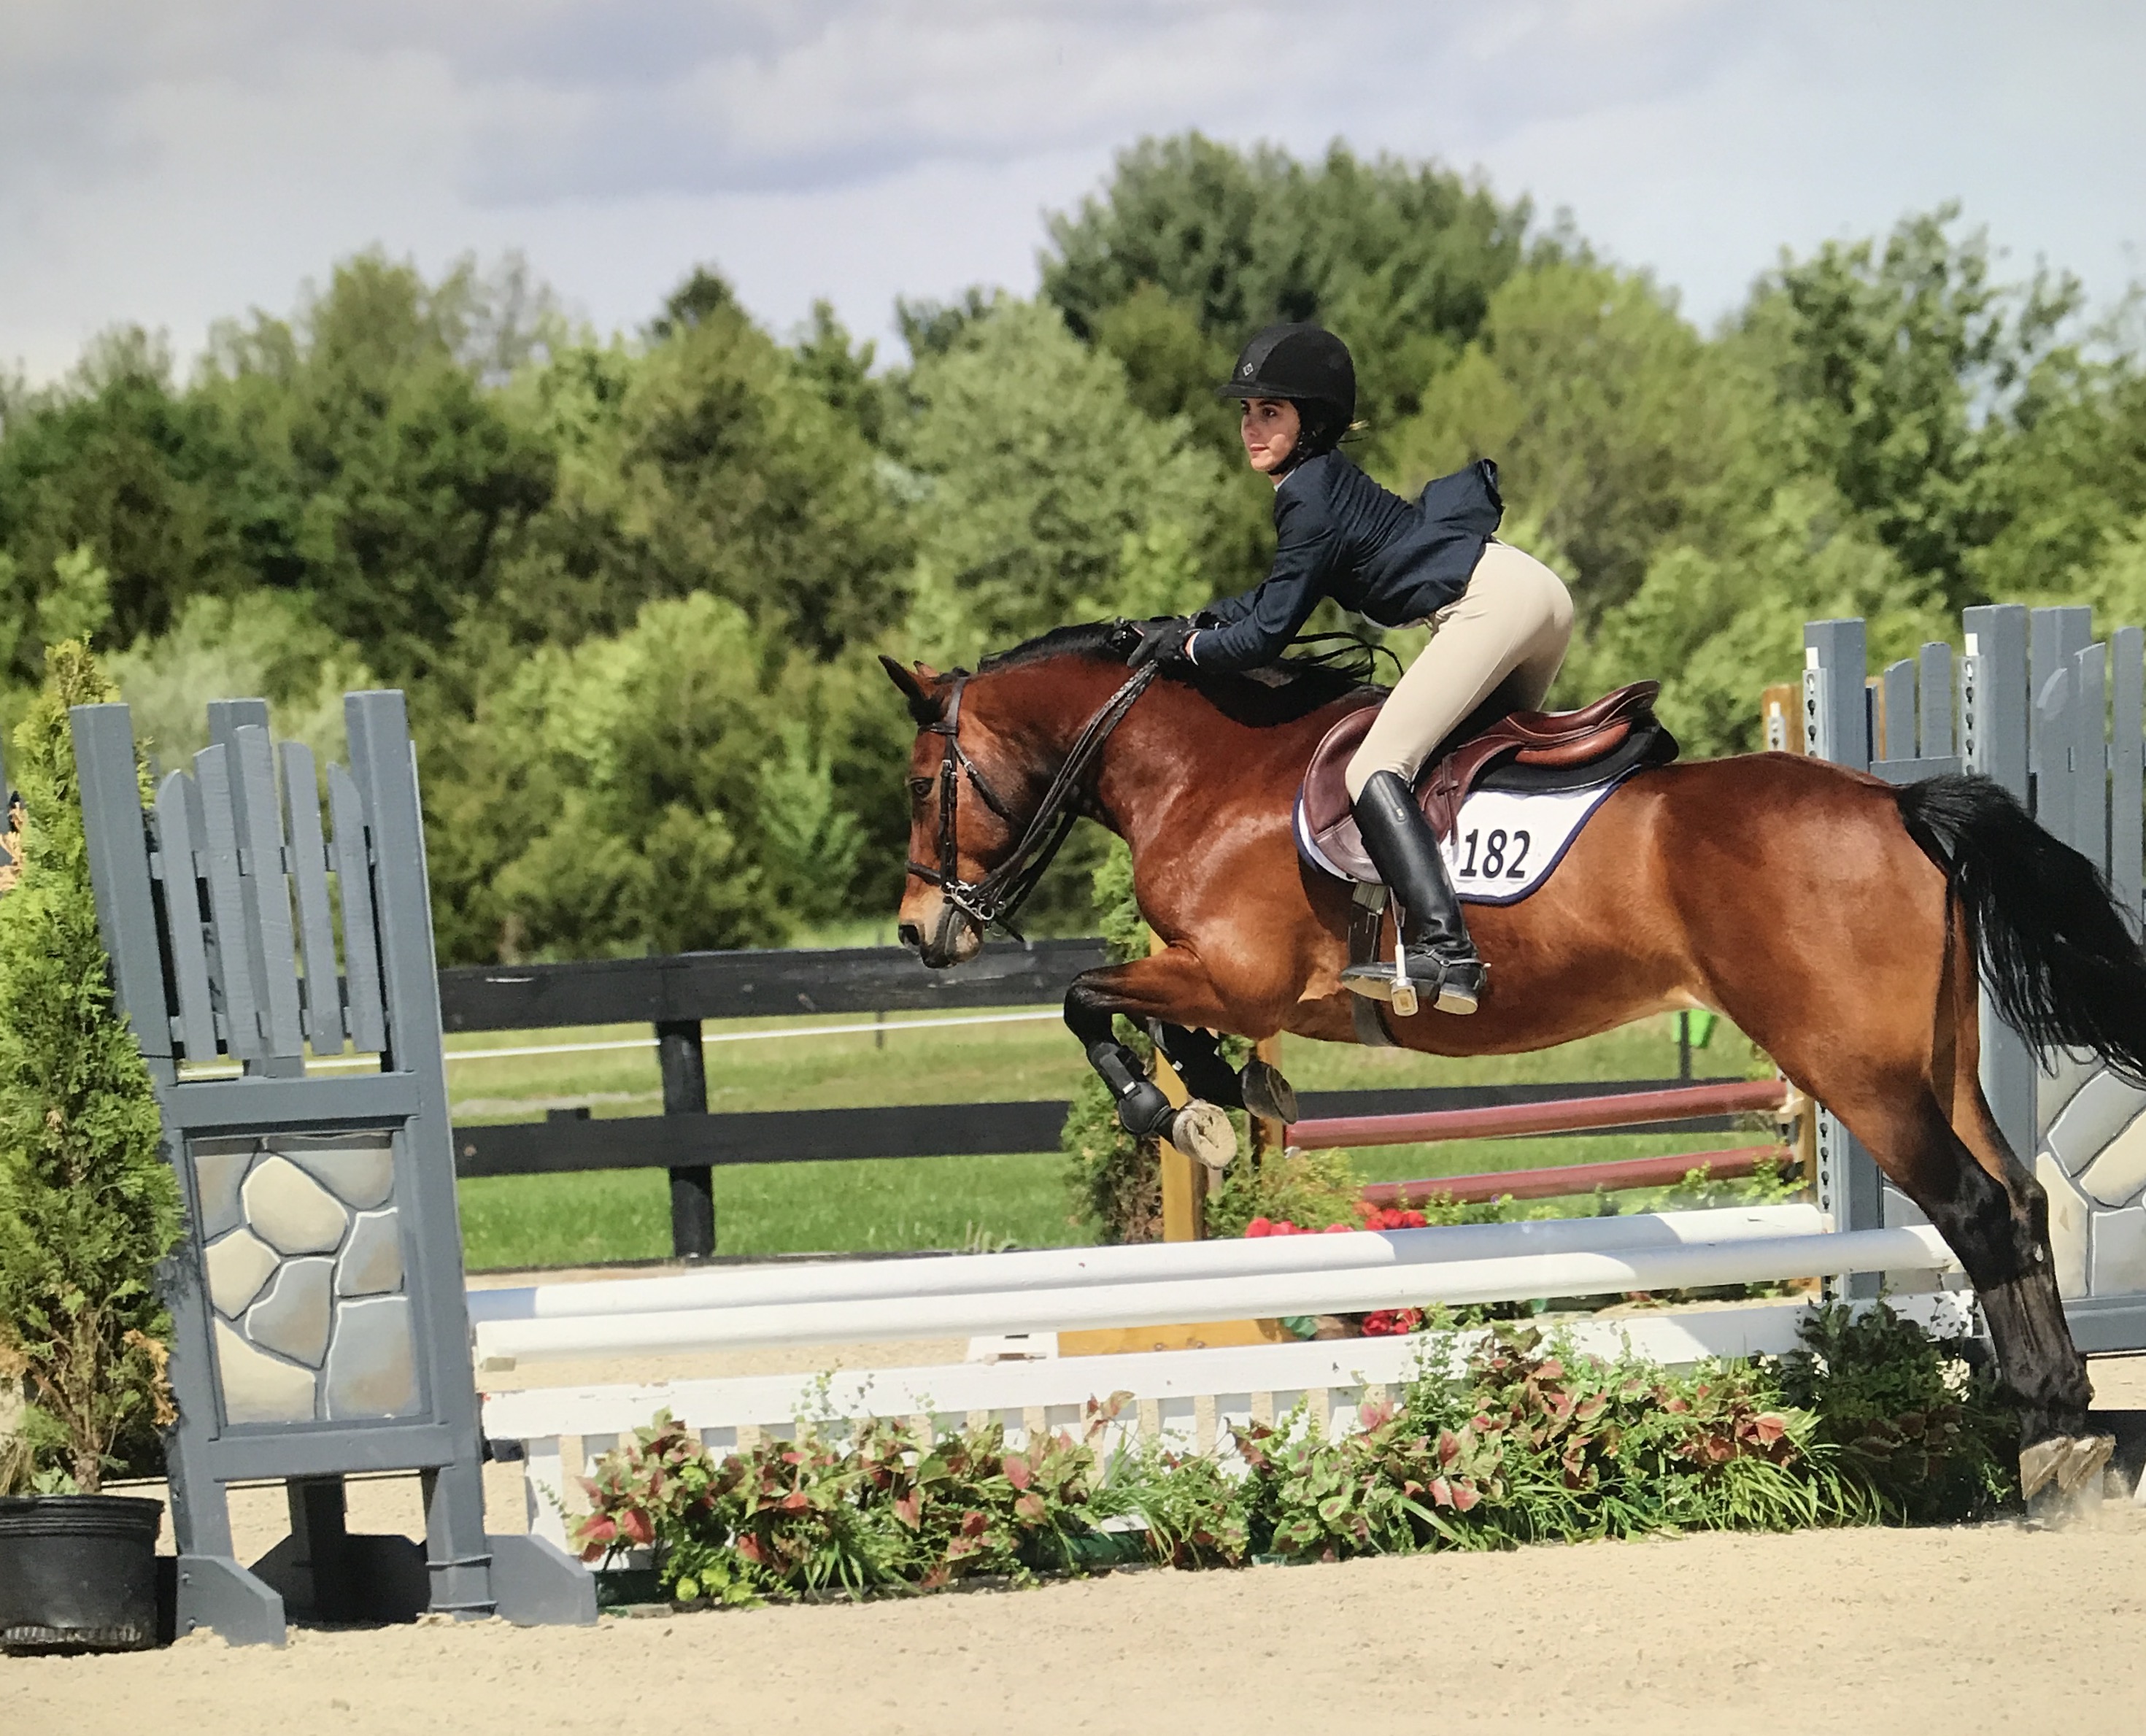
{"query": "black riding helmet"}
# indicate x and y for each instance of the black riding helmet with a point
(1310, 368)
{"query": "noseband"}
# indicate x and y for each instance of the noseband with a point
(998, 897)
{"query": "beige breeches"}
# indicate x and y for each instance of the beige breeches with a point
(1506, 635)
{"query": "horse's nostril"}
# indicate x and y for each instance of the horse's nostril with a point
(911, 935)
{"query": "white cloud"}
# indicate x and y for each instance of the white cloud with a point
(171, 165)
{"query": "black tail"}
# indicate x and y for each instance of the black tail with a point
(2053, 946)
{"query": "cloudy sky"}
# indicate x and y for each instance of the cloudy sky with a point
(168, 164)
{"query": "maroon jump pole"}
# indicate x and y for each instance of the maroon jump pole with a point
(1569, 1115)
(1615, 1177)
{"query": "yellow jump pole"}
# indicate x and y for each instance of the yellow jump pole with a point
(1183, 1179)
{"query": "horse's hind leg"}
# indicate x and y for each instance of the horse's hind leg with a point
(1995, 1217)
(2018, 1287)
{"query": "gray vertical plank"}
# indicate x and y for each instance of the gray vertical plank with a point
(227, 903)
(1900, 686)
(309, 873)
(1836, 728)
(1995, 723)
(361, 933)
(1937, 701)
(2053, 750)
(2089, 754)
(2002, 697)
(2054, 636)
(118, 849)
(1836, 706)
(183, 917)
(383, 763)
(268, 907)
(2127, 767)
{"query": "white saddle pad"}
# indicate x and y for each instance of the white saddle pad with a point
(1504, 845)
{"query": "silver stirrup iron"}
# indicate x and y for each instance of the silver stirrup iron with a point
(1405, 998)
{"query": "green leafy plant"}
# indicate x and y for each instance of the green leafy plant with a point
(1308, 1188)
(1914, 1422)
(1502, 1437)
(87, 1204)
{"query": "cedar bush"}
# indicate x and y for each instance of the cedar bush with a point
(87, 1204)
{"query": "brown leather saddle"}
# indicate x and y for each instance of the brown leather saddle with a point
(1600, 744)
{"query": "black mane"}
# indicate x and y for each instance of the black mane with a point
(1282, 691)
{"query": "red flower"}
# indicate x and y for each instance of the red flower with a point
(1260, 1226)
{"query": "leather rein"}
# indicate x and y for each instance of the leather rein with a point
(998, 897)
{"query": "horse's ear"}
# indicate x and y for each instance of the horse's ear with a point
(923, 704)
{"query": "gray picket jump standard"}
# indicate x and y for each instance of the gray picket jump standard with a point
(2060, 723)
(319, 1325)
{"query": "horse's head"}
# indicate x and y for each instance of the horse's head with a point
(962, 823)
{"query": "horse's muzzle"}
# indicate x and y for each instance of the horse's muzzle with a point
(950, 937)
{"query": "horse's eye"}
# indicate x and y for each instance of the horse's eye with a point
(920, 787)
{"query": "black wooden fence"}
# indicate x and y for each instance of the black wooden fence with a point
(676, 995)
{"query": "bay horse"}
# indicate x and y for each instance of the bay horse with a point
(1841, 923)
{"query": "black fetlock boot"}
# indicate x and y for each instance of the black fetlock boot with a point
(1441, 959)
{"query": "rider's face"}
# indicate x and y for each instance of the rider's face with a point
(1270, 429)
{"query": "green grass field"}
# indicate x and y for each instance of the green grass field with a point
(919, 1203)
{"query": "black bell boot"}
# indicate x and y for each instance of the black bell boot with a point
(1441, 959)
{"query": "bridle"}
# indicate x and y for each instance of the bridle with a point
(998, 897)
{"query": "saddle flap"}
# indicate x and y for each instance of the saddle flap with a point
(1568, 741)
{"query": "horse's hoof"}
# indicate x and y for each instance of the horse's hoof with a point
(1203, 1132)
(1267, 1095)
(2067, 1465)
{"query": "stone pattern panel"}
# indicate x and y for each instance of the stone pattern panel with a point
(2093, 1162)
(304, 1263)
(2069, 1218)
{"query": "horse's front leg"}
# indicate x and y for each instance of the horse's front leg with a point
(1173, 987)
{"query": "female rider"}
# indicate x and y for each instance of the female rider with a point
(1502, 620)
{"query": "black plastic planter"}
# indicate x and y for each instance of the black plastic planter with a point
(78, 1571)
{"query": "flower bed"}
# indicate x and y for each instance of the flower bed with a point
(1873, 1421)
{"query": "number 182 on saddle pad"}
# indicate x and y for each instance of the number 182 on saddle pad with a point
(1506, 801)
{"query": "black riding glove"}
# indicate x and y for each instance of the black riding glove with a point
(1162, 639)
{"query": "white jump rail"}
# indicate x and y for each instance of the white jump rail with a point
(557, 1430)
(1672, 1264)
(1064, 1268)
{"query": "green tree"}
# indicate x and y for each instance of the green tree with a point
(378, 476)
(87, 1204)
(115, 467)
(1399, 258)
(1042, 486)
(692, 782)
(712, 461)
(1716, 625)
(1899, 372)
(1609, 417)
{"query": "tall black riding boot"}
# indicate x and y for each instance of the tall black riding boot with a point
(1441, 959)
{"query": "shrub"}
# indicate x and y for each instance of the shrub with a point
(1519, 1441)
(1310, 1189)
(87, 1206)
(1914, 1422)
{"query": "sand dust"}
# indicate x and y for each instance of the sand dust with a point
(1993, 1628)
(1989, 1628)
